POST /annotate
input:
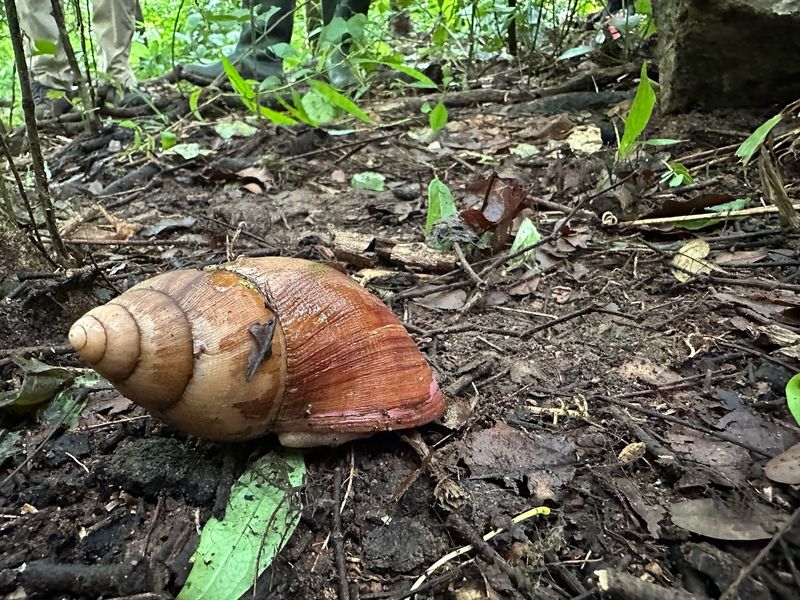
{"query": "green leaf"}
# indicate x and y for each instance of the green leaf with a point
(738, 204)
(317, 107)
(661, 141)
(261, 516)
(64, 408)
(194, 103)
(639, 115)
(527, 235)
(368, 181)
(238, 83)
(793, 397)
(695, 224)
(438, 117)
(338, 99)
(41, 47)
(40, 383)
(278, 118)
(749, 147)
(524, 150)
(234, 129)
(333, 32)
(168, 140)
(422, 80)
(8, 441)
(187, 151)
(576, 51)
(677, 174)
(440, 203)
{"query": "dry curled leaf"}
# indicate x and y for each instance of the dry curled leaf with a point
(689, 260)
(631, 452)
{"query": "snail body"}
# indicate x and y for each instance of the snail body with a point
(261, 345)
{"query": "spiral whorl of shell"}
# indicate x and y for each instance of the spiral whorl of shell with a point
(180, 345)
(192, 347)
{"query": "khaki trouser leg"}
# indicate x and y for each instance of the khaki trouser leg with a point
(114, 22)
(37, 23)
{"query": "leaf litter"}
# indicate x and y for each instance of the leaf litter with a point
(596, 310)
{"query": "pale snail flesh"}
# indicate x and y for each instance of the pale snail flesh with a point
(261, 345)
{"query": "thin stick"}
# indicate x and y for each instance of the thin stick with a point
(759, 210)
(336, 534)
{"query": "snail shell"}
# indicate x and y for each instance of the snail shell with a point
(258, 345)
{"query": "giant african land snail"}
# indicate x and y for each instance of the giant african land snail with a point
(259, 345)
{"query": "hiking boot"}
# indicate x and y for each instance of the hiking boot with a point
(127, 97)
(248, 67)
(253, 56)
(45, 106)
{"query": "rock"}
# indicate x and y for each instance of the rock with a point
(728, 53)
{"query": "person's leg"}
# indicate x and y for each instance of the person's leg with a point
(37, 23)
(114, 22)
(253, 57)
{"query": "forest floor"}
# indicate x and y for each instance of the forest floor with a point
(639, 406)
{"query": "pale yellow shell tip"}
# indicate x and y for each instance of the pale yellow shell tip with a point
(88, 338)
(77, 337)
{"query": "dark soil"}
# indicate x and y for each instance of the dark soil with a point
(604, 348)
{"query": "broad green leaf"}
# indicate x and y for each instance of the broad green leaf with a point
(261, 516)
(333, 32)
(738, 204)
(677, 174)
(751, 145)
(793, 397)
(440, 203)
(527, 235)
(284, 50)
(168, 140)
(338, 99)
(40, 383)
(438, 117)
(368, 181)
(317, 107)
(695, 224)
(64, 408)
(576, 51)
(639, 115)
(234, 129)
(187, 151)
(41, 47)
(524, 150)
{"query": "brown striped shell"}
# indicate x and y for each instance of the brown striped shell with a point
(341, 365)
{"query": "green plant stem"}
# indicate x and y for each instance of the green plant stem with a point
(29, 110)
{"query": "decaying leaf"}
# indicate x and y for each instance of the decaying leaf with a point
(689, 260)
(773, 188)
(40, 383)
(586, 139)
(712, 518)
(785, 468)
(631, 452)
(500, 200)
(544, 463)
